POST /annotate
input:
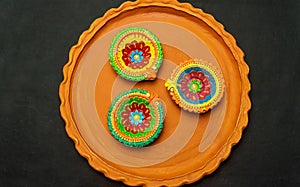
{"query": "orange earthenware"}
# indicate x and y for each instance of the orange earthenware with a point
(190, 145)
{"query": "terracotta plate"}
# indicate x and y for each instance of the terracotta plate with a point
(190, 145)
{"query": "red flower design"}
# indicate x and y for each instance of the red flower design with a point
(195, 76)
(133, 46)
(127, 113)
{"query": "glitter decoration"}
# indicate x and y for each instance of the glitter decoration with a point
(136, 117)
(136, 54)
(196, 86)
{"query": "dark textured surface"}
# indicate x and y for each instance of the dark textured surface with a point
(35, 40)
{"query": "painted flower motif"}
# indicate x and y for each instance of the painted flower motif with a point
(136, 54)
(136, 117)
(195, 85)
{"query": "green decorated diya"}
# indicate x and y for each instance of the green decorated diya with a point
(136, 117)
(136, 54)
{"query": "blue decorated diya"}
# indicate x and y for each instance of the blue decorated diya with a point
(196, 86)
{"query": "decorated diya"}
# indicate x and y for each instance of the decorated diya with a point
(136, 118)
(196, 86)
(136, 54)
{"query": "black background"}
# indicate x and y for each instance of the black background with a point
(35, 38)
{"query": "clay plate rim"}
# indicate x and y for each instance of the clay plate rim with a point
(98, 163)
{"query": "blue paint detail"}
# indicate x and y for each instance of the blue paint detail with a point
(212, 81)
(136, 52)
(136, 122)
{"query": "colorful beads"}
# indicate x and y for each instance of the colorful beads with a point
(196, 86)
(136, 54)
(136, 118)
